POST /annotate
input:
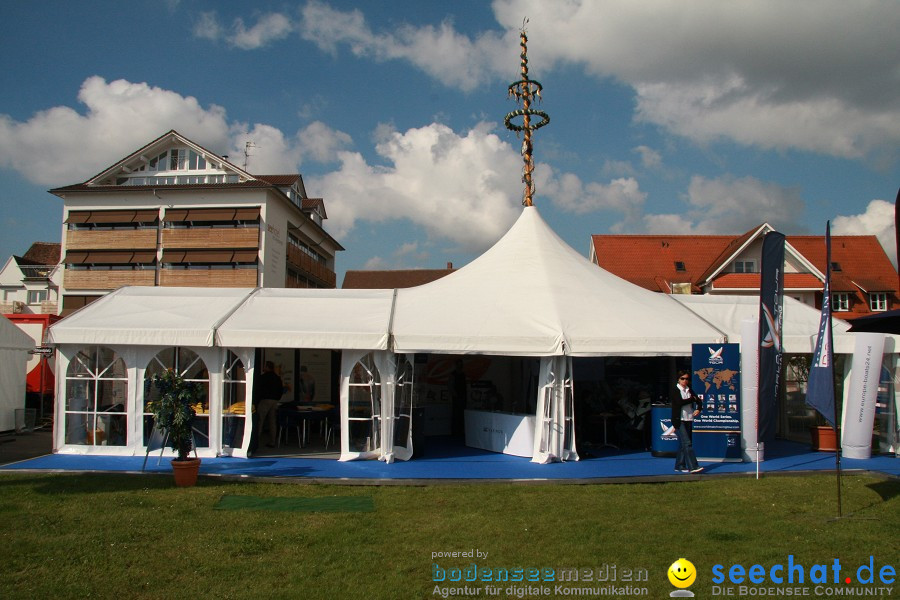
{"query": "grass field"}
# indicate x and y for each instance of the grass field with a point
(127, 536)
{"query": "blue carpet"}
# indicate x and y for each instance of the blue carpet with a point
(443, 460)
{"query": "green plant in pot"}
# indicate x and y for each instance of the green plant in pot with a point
(173, 413)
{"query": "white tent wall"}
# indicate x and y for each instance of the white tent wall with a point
(14, 347)
(137, 360)
(554, 434)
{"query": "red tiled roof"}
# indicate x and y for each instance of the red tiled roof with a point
(650, 260)
(750, 281)
(280, 180)
(386, 280)
(41, 253)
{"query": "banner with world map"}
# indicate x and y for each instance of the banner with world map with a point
(717, 382)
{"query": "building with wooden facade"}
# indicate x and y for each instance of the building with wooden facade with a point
(176, 214)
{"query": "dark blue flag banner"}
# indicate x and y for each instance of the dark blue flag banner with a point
(820, 388)
(771, 296)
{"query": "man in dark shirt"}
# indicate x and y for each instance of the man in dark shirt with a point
(270, 389)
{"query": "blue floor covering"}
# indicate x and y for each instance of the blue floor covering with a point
(443, 460)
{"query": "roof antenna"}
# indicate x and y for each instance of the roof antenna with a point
(247, 146)
(524, 91)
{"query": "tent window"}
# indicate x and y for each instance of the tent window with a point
(191, 367)
(364, 406)
(234, 406)
(96, 398)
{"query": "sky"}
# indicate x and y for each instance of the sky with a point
(676, 117)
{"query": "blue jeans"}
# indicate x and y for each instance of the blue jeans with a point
(685, 458)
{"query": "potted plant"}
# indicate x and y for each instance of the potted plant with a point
(173, 412)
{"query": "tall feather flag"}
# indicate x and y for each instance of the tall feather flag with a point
(771, 299)
(820, 388)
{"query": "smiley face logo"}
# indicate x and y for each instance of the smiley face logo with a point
(682, 573)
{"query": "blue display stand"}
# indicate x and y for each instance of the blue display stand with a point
(663, 441)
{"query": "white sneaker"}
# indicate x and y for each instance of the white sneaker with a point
(697, 470)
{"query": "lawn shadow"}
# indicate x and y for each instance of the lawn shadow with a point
(888, 489)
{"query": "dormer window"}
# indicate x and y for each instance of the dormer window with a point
(745, 266)
(878, 301)
(679, 266)
(835, 266)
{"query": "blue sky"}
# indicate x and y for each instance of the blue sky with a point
(672, 117)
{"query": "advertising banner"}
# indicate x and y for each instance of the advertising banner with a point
(859, 409)
(771, 297)
(820, 388)
(717, 382)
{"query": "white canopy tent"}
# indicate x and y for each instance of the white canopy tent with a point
(531, 294)
(150, 316)
(14, 347)
(801, 321)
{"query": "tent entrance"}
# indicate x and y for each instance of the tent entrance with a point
(306, 421)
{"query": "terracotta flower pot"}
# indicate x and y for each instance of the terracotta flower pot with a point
(186, 471)
(823, 438)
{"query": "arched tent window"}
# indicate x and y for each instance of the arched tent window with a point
(96, 398)
(361, 416)
(191, 367)
(234, 405)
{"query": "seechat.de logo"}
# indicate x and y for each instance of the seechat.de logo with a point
(682, 575)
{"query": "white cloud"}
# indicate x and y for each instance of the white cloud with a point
(61, 146)
(650, 158)
(459, 187)
(878, 220)
(272, 152)
(569, 193)
(730, 205)
(766, 73)
(269, 27)
(439, 51)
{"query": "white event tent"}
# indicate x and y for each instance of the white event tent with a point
(530, 295)
(14, 347)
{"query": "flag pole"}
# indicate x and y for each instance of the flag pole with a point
(830, 334)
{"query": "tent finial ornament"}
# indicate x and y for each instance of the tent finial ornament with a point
(525, 90)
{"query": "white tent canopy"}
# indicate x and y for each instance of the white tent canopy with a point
(150, 316)
(14, 347)
(531, 294)
(310, 318)
(801, 321)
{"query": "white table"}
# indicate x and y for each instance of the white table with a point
(500, 432)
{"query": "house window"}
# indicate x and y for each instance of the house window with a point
(745, 266)
(836, 266)
(37, 296)
(178, 159)
(679, 266)
(878, 301)
(840, 301)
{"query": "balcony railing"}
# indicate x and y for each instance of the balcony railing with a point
(311, 267)
(242, 237)
(124, 239)
(106, 280)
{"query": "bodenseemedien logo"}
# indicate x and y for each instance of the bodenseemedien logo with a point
(682, 575)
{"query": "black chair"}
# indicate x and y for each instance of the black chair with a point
(289, 418)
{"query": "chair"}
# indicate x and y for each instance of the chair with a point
(332, 427)
(288, 418)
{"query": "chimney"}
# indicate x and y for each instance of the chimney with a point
(449, 266)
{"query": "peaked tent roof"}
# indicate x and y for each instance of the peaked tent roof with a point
(531, 294)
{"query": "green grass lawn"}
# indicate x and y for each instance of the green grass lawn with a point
(129, 536)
